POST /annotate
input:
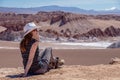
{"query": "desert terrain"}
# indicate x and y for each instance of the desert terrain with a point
(80, 64)
(80, 39)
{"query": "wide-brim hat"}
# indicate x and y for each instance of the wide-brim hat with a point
(29, 27)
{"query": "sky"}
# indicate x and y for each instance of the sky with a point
(84, 4)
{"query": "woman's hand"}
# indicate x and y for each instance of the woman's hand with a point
(23, 75)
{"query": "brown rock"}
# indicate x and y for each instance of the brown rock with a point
(93, 33)
(111, 31)
(69, 22)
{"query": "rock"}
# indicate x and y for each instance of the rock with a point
(114, 45)
(51, 33)
(6, 35)
(96, 32)
(67, 33)
(115, 61)
(111, 31)
(10, 35)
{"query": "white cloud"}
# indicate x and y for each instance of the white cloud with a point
(112, 8)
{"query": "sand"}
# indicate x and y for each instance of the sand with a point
(80, 64)
(12, 57)
(72, 72)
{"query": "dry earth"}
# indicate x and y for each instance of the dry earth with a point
(73, 72)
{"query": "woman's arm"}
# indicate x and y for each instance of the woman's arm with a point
(30, 58)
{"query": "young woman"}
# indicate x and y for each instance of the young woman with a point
(33, 61)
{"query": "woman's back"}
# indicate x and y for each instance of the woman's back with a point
(35, 66)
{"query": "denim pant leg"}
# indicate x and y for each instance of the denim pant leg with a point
(46, 55)
(45, 60)
(41, 54)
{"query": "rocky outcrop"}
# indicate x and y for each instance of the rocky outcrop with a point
(6, 35)
(16, 22)
(63, 17)
(10, 35)
(107, 17)
(93, 33)
(114, 45)
(50, 33)
(60, 23)
(111, 31)
(97, 32)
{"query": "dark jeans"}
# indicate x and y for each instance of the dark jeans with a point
(44, 60)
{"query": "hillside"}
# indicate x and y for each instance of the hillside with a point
(59, 24)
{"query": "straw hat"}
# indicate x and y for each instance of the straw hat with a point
(29, 27)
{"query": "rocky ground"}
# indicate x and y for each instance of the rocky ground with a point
(73, 72)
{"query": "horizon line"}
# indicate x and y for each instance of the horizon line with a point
(56, 6)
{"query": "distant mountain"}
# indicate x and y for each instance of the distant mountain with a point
(114, 11)
(56, 8)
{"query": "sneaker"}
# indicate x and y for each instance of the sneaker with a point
(59, 62)
(56, 63)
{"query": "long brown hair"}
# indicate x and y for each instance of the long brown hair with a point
(25, 41)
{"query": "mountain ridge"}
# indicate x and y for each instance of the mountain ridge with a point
(34, 10)
(59, 24)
